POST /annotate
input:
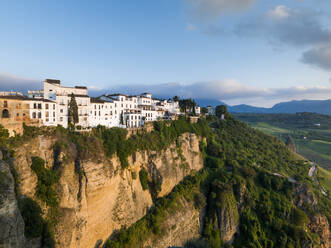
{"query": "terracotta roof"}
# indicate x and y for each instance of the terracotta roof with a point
(24, 98)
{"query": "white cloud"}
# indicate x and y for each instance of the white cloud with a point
(16, 83)
(279, 13)
(231, 91)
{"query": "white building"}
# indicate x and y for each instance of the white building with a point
(44, 110)
(51, 105)
(197, 110)
(210, 110)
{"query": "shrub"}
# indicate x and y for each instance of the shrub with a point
(46, 178)
(143, 176)
(299, 217)
(31, 213)
(199, 200)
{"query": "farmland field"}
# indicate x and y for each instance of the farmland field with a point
(311, 141)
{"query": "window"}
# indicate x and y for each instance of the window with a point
(47, 114)
(5, 113)
(53, 114)
(61, 110)
(39, 115)
(39, 105)
(5, 104)
(17, 114)
(53, 106)
(34, 115)
(35, 105)
(46, 105)
(61, 118)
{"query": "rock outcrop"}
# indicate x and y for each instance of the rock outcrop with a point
(224, 214)
(319, 224)
(179, 227)
(97, 197)
(11, 221)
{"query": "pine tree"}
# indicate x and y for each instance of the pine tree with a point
(73, 111)
(122, 119)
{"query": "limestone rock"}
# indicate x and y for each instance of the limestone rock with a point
(96, 196)
(11, 221)
(319, 224)
(304, 198)
(179, 227)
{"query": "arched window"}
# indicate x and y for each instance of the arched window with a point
(5, 113)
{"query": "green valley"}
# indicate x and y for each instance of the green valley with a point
(310, 132)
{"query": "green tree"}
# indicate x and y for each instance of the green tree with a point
(122, 119)
(176, 98)
(73, 111)
(221, 110)
(204, 110)
(4, 135)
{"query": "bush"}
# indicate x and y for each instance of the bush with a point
(143, 176)
(199, 200)
(46, 178)
(299, 217)
(31, 213)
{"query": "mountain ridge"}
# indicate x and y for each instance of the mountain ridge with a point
(290, 107)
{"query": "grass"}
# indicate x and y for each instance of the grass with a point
(322, 142)
(265, 127)
(316, 146)
(324, 178)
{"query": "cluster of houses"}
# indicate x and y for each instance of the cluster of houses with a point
(49, 107)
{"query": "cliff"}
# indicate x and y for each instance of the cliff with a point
(11, 221)
(96, 196)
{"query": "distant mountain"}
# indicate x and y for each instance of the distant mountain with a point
(292, 107)
(243, 108)
(315, 106)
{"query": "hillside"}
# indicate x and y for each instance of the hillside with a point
(244, 195)
(310, 132)
(186, 185)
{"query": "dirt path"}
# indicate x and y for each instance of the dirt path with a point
(312, 173)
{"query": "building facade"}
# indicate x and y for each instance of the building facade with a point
(50, 107)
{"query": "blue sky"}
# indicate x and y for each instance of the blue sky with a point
(241, 51)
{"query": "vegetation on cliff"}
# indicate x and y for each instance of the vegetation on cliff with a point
(250, 181)
(252, 189)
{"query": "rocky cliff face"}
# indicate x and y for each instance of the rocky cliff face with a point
(97, 196)
(319, 224)
(304, 198)
(11, 221)
(180, 227)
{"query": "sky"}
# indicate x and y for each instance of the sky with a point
(257, 52)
